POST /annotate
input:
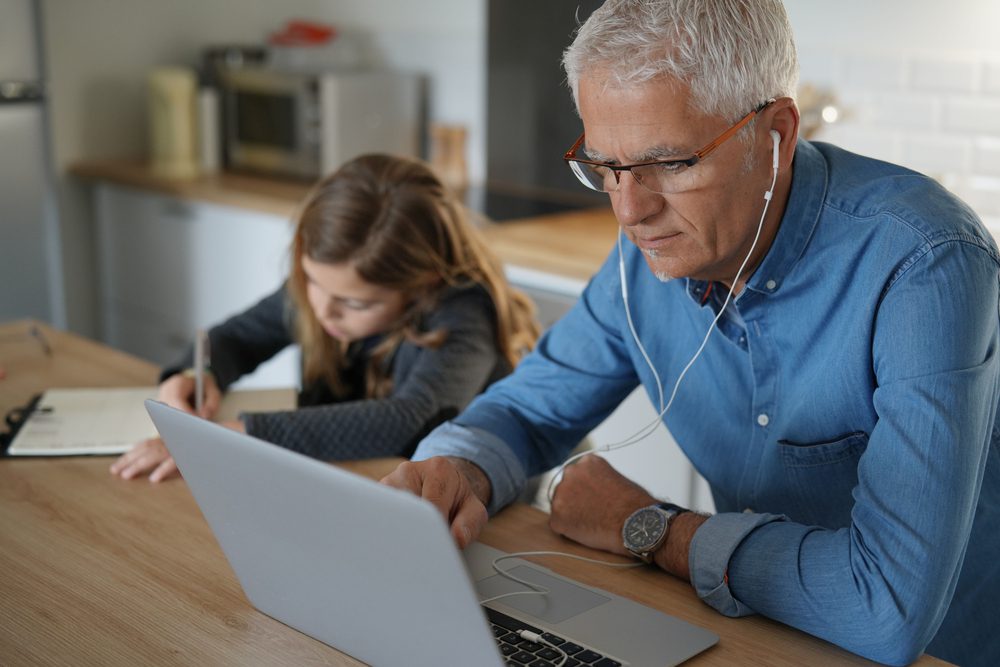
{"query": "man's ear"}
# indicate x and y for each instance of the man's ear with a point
(783, 117)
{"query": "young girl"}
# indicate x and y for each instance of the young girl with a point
(402, 314)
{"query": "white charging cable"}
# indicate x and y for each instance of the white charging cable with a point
(537, 589)
(538, 639)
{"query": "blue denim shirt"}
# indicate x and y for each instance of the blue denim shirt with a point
(844, 413)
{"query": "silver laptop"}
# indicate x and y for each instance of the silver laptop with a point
(373, 571)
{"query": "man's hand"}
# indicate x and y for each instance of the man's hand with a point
(592, 502)
(459, 489)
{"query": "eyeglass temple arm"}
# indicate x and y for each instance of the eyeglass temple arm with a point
(571, 153)
(733, 130)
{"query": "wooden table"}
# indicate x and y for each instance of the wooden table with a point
(35, 357)
(98, 570)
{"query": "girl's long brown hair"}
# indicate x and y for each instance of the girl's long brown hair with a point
(402, 229)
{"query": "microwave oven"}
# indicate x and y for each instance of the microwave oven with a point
(305, 125)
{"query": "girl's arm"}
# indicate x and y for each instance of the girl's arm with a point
(431, 385)
(244, 341)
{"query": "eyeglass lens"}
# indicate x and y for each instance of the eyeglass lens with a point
(660, 178)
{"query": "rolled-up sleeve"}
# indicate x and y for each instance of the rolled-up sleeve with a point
(708, 557)
(502, 467)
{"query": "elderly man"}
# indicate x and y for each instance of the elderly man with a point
(829, 323)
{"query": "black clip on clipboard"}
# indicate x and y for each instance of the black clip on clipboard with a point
(14, 420)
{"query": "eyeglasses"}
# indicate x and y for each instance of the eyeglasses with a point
(660, 176)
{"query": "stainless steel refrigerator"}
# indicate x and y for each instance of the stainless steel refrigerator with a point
(30, 273)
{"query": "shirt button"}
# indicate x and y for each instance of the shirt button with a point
(770, 284)
(763, 419)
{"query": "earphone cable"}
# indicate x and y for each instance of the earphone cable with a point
(647, 430)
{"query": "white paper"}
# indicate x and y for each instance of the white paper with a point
(110, 420)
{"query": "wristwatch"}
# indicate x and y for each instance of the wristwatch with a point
(647, 527)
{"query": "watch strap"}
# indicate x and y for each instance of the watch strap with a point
(670, 507)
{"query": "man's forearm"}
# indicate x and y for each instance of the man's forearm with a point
(672, 556)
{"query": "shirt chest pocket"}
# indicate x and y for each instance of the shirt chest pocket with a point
(821, 477)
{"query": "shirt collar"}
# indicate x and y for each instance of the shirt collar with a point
(805, 202)
(802, 211)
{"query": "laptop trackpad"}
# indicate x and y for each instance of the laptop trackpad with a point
(563, 601)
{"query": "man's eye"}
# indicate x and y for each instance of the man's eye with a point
(669, 167)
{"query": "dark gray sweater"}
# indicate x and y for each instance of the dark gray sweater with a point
(430, 385)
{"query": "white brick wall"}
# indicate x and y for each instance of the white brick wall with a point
(936, 155)
(924, 92)
(991, 78)
(919, 113)
(987, 157)
(873, 71)
(974, 115)
(944, 75)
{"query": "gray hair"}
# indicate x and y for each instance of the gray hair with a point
(734, 54)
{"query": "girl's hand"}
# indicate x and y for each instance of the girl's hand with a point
(153, 455)
(147, 455)
(177, 391)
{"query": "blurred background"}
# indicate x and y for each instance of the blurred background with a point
(171, 100)
(913, 81)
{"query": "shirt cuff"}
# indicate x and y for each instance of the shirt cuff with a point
(711, 548)
(490, 453)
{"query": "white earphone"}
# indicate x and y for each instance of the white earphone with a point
(649, 428)
(776, 141)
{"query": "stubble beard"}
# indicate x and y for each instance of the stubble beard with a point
(662, 276)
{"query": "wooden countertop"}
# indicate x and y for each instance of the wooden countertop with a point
(265, 195)
(572, 244)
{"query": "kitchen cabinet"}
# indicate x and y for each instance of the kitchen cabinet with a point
(169, 266)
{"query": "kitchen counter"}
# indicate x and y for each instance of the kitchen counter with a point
(264, 195)
(570, 244)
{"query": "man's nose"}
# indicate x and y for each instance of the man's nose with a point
(632, 202)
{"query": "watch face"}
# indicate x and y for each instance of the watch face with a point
(644, 529)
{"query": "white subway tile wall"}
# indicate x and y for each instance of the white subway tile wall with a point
(874, 71)
(936, 154)
(991, 78)
(935, 112)
(917, 83)
(937, 76)
(987, 156)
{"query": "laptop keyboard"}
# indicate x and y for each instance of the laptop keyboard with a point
(520, 652)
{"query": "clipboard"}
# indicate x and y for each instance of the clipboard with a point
(106, 421)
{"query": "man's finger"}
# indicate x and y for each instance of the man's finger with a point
(441, 485)
(469, 521)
